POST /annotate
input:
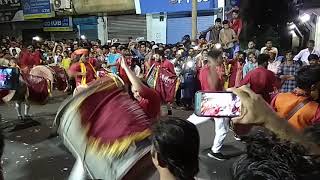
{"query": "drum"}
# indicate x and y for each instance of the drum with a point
(105, 128)
(36, 87)
(60, 78)
(45, 72)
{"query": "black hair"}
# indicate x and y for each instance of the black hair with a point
(176, 143)
(218, 20)
(267, 157)
(313, 133)
(215, 54)
(160, 52)
(308, 76)
(236, 11)
(313, 56)
(263, 59)
(311, 41)
(268, 40)
(225, 22)
(243, 53)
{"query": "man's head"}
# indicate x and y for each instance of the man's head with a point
(235, 14)
(175, 147)
(252, 57)
(313, 59)
(113, 49)
(263, 60)
(215, 57)
(269, 44)
(191, 52)
(289, 55)
(241, 56)
(251, 45)
(30, 48)
(308, 79)
(143, 48)
(158, 55)
(311, 45)
(218, 22)
(225, 24)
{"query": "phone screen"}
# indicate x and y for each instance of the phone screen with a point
(9, 78)
(217, 104)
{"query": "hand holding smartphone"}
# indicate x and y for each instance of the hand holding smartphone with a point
(217, 104)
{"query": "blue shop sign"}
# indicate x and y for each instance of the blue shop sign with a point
(58, 24)
(33, 9)
(174, 6)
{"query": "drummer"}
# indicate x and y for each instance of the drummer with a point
(30, 57)
(82, 70)
(149, 99)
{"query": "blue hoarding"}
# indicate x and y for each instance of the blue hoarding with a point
(174, 6)
(37, 9)
(58, 24)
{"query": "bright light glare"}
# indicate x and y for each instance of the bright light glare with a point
(36, 38)
(292, 26)
(190, 64)
(304, 18)
(217, 46)
(293, 33)
(83, 37)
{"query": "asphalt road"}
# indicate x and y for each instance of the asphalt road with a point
(29, 155)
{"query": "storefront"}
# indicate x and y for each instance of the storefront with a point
(168, 21)
(124, 27)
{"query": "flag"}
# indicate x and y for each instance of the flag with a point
(164, 82)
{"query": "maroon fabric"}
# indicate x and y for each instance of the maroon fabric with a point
(108, 123)
(166, 85)
(61, 78)
(150, 102)
(29, 59)
(37, 87)
(261, 81)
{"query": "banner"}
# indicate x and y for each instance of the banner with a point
(33, 9)
(58, 24)
(10, 10)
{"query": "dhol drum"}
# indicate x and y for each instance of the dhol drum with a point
(106, 129)
(60, 81)
(45, 72)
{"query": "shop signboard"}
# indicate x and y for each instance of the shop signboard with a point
(33, 9)
(58, 24)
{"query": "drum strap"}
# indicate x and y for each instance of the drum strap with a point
(84, 70)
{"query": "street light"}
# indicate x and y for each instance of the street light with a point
(83, 37)
(36, 38)
(304, 18)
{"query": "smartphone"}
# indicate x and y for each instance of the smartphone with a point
(9, 78)
(217, 104)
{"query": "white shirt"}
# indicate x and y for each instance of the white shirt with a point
(274, 66)
(273, 49)
(18, 50)
(304, 54)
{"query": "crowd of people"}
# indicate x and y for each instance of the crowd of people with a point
(266, 79)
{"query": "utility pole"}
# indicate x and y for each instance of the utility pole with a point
(194, 19)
